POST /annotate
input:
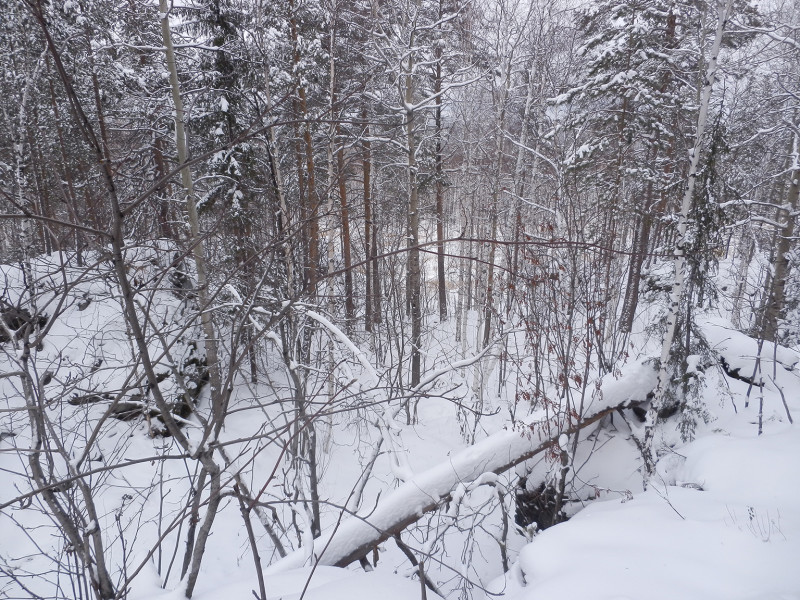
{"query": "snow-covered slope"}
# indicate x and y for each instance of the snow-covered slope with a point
(722, 522)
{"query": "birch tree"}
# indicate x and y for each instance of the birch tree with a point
(666, 365)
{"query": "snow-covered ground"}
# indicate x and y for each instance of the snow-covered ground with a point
(720, 521)
(723, 523)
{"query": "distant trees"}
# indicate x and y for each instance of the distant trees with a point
(632, 110)
(782, 33)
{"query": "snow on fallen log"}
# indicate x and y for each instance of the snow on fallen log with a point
(355, 536)
(740, 353)
(632, 384)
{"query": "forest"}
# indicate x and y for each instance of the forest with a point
(399, 299)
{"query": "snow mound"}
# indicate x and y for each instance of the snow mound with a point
(740, 351)
(737, 538)
(760, 470)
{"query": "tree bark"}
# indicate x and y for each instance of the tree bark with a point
(782, 266)
(312, 200)
(440, 268)
(413, 275)
(349, 302)
(366, 168)
(198, 248)
(679, 263)
(218, 397)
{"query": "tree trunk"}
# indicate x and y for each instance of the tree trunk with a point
(413, 273)
(311, 198)
(782, 266)
(285, 221)
(218, 397)
(349, 303)
(440, 269)
(356, 536)
(198, 248)
(640, 246)
(679, 282)
(366, 167)
(71, 196)
(162, 203)
(489, 300)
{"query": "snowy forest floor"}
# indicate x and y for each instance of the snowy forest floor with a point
(721, 520)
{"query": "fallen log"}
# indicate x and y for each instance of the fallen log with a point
(357, 535)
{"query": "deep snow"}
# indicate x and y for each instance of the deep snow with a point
(722, 520)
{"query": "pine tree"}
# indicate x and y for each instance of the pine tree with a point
(634, 105)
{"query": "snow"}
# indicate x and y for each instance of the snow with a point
(321, 583)
(632, 383)
(738, 538)
(722, 520)
(760, 470)
(685, 545)
(741, 351)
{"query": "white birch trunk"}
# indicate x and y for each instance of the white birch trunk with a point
(679, 281)
(217, 396)
(198, 248)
